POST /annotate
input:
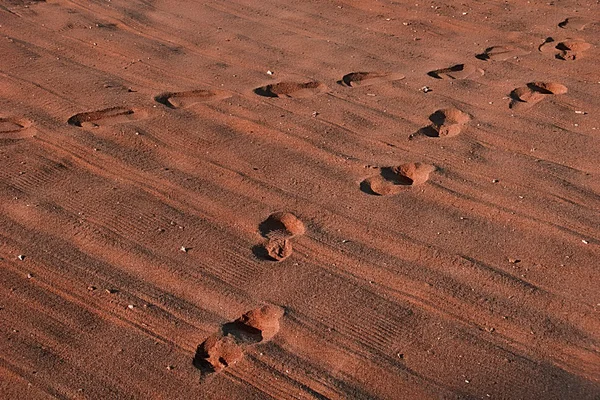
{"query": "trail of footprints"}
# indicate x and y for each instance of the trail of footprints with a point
(226, 347)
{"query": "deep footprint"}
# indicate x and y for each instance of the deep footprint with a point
(13, 128)
(355, 79)
(501, 53)
(533, 93)
(108, 116)
(292, 89)
(569, 49)
(575, 23)
(226, 347)
(458, 71)
(447, 122)
(189, 98)
(278, 229)
(393, 180)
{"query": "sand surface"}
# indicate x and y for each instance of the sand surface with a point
(236, 199)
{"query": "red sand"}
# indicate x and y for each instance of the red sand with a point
(144, 142)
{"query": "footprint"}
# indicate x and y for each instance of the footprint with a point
(189, 98)
(279, 228)
(392, 180)
(568, 49)
(533, 93)
(575, 23)
(458, 71)
(108, 116)
(226, 347)
(447, 122)
(292, 89)
(355, 79)
(501, 53)
(13, 128)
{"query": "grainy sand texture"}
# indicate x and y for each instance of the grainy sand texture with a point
(321, 199)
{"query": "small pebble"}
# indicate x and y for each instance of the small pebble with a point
(21, 257)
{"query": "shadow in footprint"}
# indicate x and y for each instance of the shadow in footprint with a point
(501, 53)
(447, 122)
(533, 93)
(458, 71)
(355, 79)
(108, 116)
(291, 89)
(279, 229)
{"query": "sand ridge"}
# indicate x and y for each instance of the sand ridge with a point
(147, 147)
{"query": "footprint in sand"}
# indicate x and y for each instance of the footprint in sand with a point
(501, 53)
(13, 128)
(568, 49)
(108, 116)
(458, 71)
(533, 93)
(292, 89)
(355, 79)
(447, 122)
(278, 229)
(392, 180)
(226, 347)
(191, 97)
(575, 23)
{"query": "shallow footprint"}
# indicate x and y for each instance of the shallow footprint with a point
(108, 116)
(292, 89)
(191, 97)
(13, 128)
(458, 71)
(279, 228)
(392, 180)
(568, 49)
(355, 79)
(575, 23)
(533, 93)
(226, 347)
(501, 53)
(447, 122)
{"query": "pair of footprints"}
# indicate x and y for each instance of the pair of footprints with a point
(116, 115)
(226, 347)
